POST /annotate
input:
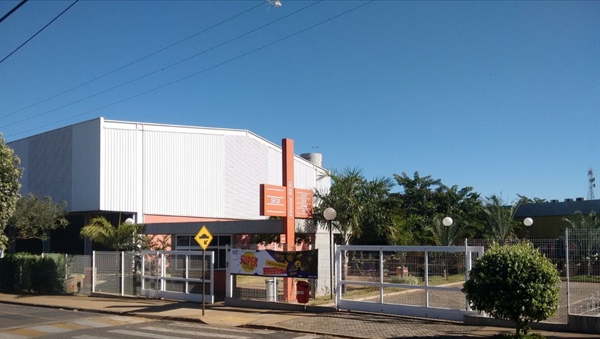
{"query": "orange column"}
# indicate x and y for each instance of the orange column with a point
(289, 227)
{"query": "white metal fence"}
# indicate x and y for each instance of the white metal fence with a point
(115, 273)
(411, 280)
(179, 275)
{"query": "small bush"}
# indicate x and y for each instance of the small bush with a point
(407, 279)
(514, 282)
(33, 273)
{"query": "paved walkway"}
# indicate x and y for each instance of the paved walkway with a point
(336, 324)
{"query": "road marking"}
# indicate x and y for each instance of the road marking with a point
(307, 337)
(49, 329)
(200, 326)
(129, 320)
(85, 336)
(71, 326)
(145, 334)
(194, 333)
(91, 323)
(6, 335)
(25, 333)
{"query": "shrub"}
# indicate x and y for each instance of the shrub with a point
(33, 273)
(407, 279)
(516, 283)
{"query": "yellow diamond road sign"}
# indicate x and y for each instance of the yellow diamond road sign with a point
(203, 238)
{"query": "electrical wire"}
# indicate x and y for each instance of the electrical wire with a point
(13, 10)
(135, 61)
(38, 32)
(162, 68)
(204, 70)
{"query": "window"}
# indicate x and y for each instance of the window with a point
(218, 245)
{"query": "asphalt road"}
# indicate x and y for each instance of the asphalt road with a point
(21, 322)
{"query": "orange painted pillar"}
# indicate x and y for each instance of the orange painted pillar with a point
(289, 228)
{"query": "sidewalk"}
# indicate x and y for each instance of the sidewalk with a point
(338, 324)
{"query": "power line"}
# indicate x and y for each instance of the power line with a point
(136, 61)
(12, 10)
(206, 69)
(162, 68)
(38, 32)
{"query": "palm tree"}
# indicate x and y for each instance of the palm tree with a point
(359, 203)
(125, 237)
(500, 218)
(587, 236)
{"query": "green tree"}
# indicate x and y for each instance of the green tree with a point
(359, 203)
(501, 224)
(423, 200)
(127, 236)
(587, 236)
(34, 218)
(10, 173)
(516, 283)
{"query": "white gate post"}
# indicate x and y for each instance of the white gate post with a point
(468, 266)
(93, 271)
(122, 273)
(381, 276)
(426, 279)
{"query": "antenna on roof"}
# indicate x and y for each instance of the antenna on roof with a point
(591, 183)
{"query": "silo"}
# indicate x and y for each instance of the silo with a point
(315, 158)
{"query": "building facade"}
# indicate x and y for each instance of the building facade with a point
(172, 178)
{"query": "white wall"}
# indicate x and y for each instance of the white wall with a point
(86, 166)
(103, 165)
(190, 171)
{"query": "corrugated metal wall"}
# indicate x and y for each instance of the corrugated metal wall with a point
(191, 172)
(119, 170)
(119, 166)
(49, 164)
(183, 174)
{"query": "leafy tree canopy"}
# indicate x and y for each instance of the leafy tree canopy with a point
(423, 202)
(10, 173)
(34, 218)
(358, 202)
(516, 283)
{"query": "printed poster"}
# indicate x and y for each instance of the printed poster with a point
(296, 264)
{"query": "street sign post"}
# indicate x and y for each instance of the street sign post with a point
(203, 238)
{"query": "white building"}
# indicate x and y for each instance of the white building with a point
(163, 175)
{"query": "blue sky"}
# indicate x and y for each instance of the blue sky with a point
(501, 96)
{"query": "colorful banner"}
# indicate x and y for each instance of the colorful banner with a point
(299, 264)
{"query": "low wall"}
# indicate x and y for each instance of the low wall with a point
(576, 324)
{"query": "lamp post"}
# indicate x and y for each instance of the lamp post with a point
(447, 222)
(528, 222)
(329, 214)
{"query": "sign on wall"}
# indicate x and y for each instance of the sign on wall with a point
(273, 201)
(294, 264)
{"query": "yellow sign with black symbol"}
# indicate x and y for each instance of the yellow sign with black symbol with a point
(203, 238)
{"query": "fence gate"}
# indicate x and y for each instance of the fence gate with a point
(178, 275)
(422, 281)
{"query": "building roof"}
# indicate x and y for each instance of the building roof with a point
(551, 209)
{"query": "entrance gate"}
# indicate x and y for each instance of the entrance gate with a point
(178, 275)
(421, 281)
